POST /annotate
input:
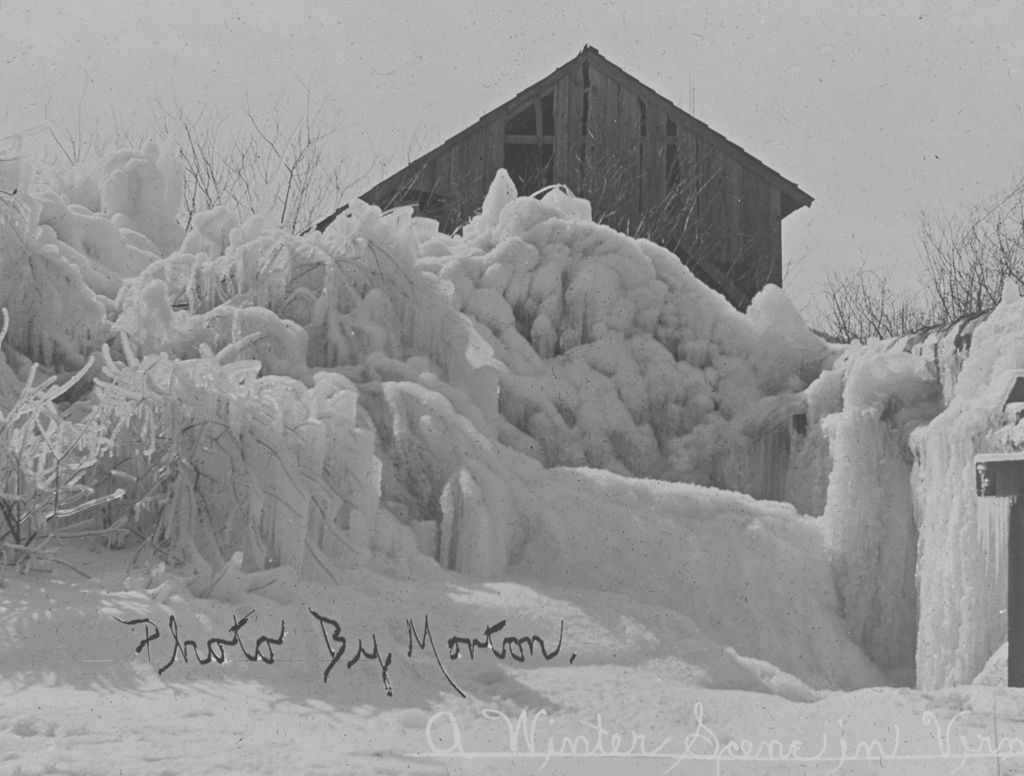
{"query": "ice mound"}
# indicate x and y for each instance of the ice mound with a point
(382, 395)
(539, 396)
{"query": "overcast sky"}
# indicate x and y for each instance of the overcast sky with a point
(879, 110)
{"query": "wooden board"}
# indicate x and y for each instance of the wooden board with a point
(595, 179)
(442, 177)
(774, 238)
(750, 244)
(643, 154)
(614, 169)
(654, 159)
(756, 209)
(477, 177)
(562, 144)
(628, 136)
(1000, 477)
(1015, 596)
(1005, 477)
(574, 144)
(686, 155)
(456, 182)
(494, 148)
(732, 202)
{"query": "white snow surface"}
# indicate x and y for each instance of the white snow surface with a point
(539, 421)
(76, 698)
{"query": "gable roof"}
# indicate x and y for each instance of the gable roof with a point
(792, 197)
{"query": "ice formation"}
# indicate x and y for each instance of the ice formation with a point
(870, 503)
(919, 557)
(963, 592)
(539, 397)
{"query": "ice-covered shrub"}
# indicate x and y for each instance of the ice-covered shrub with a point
(65, 250)
(56, 318)
(47, 461)
(283, 473)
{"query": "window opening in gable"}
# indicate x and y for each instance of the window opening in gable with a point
(530, 145)
(523, 123)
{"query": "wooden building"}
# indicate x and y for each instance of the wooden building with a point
(648, 168)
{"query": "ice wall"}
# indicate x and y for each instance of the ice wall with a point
(962, 587)
(810, 456)
(918, 556)
(870, 504)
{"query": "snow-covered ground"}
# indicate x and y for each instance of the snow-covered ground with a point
(77, 698)
(644, 532)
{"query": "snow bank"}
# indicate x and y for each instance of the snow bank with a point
(751, 574)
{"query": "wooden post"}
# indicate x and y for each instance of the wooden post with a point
(1002, 474)
(1015, 596)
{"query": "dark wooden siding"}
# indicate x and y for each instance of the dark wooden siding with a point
(648, 168)
(562, 131)
(628, 136)
(689, 193)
